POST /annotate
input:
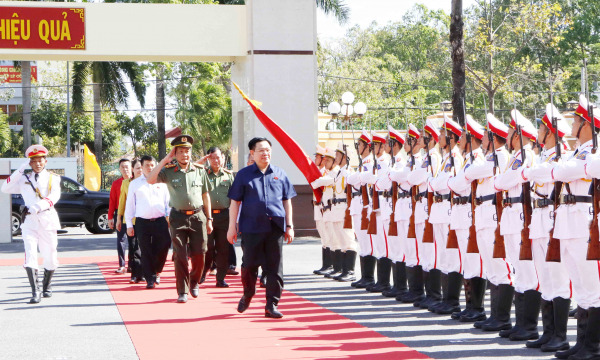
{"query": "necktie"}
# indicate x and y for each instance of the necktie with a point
(36, 177)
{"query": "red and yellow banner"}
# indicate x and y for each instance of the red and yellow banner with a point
(42, 28)
(11, 74)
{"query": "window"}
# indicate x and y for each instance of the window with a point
(68, 186)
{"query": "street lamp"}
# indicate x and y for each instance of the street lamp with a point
(446, 105)
(347, 110)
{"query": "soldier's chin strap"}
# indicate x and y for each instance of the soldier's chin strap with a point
(545, 136)
(510, 143)
(580, 127)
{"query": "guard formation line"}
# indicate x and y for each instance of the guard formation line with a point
(509, 208)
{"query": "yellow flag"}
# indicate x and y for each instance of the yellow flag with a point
(91, 170)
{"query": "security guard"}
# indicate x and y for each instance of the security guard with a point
(220, 180)
(40, 190)
(189, 189)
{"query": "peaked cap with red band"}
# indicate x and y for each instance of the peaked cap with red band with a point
(365, 137)
(394, 134)
(413, 131)
(377, 138)
(432, 130)
(582, 111)
(35, 151)
(320, 151)
(475, 128)
(496, 126)
(451, 125)
(329, 152)
(563, 126)
(527, 127)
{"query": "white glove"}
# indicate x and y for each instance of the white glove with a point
(23, 167)
(34, 209)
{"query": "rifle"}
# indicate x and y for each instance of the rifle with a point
(364, 221)
(347, 216)
(372, 229)
(393, 229)
(499, 248)
(525, 252)
(428, 232)
(452, 240)
(472, 247)
(593, 252)
(411, 234)
(553, 253)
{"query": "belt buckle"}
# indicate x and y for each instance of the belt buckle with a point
(217, 211)
(478, 201)
(569, 199)
(189, 212)
(505, 203)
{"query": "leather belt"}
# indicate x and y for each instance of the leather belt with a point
(404, 195)
(440, 198)
(461, 200)
(317, 203)
(420, 195)
(355, 194)
(542, 203)
(387, 194)
(328, 206)
(481, 199)
(190, 212)
(573, 199)
(337, 201)
(510, 201)
(219, 211)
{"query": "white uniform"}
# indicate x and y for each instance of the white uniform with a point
(345, 237)
(572, 226)
(498, 271)
(380, 240)
(511, 224)
(396, 244)
(318, 216)
(420, 176)
(39, 229)
(449, 260)
(404, 210)
(553, 277)
(364, 240)
(461, 218)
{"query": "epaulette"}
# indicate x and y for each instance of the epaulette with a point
(169, 166)
(228, 171)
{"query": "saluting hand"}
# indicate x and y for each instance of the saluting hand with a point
(289, 235)
(171, 155)
(232, 235)
(202, 160)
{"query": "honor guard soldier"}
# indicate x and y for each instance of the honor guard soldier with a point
(396, 243)
(326, 182)
(499, 271)
(572, 227)
(527, 298)
(327, 254)
(40, 190)
(462, 223)
(190, 218)
(554, 283)
(449, 260)
(367, 260)
(382, 215)
(427, 251)
(404, 214)
(220, 180)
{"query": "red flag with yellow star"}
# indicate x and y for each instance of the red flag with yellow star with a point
(302, 161)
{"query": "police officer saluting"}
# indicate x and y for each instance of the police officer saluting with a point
(220, 180)
(40, 191)
(190, 201)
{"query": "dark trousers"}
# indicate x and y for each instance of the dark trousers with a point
(218, 246)
(121, 242)
(188, 234)
(232, 258)
(135, 256)
(154, 239)
(263, 249)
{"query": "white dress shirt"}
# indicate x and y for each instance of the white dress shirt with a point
(146, 201)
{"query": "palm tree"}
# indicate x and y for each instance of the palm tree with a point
(108, 88)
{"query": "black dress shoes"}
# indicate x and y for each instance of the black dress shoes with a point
(232, 271)
(222, 284)
(272, 312)
(139, 280)
(182, 298)
(150, 285)
(244, 304)
(133, 280)
(195, 291)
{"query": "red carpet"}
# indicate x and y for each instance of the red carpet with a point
(209, 327)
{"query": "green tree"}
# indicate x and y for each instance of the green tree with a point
(138, 130)
(108, 88)
(5, 133)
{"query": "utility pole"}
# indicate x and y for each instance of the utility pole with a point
(458, 62)
(68, 115)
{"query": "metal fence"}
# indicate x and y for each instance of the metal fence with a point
(109, 173)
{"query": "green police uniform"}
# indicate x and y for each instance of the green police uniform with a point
(187, 219)
(217, 240)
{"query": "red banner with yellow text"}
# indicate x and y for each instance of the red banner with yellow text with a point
(12, 74)
(42, 28)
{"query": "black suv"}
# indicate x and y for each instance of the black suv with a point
(77, 205)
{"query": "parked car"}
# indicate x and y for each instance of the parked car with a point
(77, 206)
